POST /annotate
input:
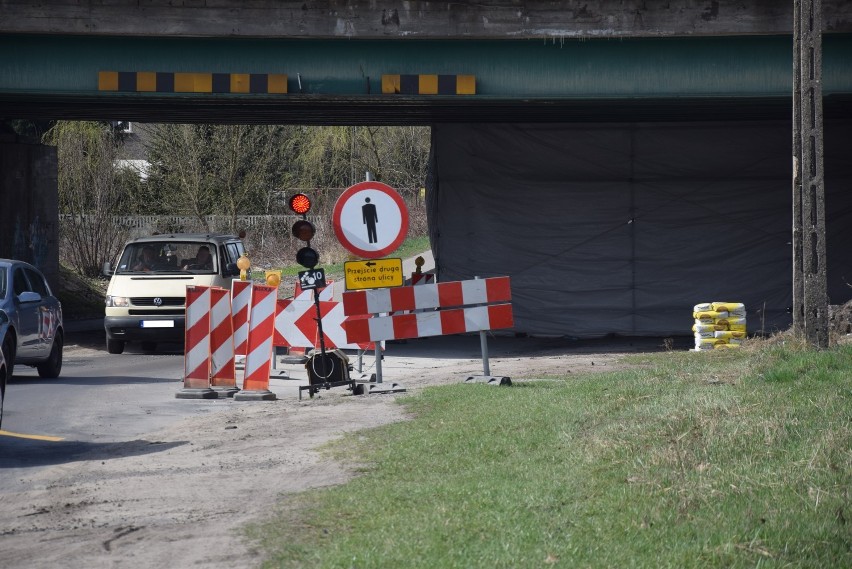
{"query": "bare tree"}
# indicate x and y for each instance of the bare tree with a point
(213, 169)
(324, 157)
(180, 156)
(90, 193)
(248, 166)
(396, 155)
(337, 156)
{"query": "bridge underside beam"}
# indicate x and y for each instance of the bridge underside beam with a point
(344, 82)
(405, 110)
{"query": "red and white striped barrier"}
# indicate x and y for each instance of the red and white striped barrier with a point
(240, 303)
(222, 368)
(197, 347)
(196, 383)
(435, 295)
(325, 293)
(296, 325)
(454, 317)
(422, 278)
(259, 351)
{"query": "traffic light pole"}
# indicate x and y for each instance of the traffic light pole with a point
(319, 327)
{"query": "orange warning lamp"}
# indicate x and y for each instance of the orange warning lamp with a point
(273, 278)
(243, 264)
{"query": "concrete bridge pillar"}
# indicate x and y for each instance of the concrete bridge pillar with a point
(29, 210)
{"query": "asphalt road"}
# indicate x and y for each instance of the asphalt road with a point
(101, 400)
(97, 402)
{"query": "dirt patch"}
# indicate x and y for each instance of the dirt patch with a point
(840, 319)
(180, 496)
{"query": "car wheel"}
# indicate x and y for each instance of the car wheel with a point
(9, 354)
(115, 346)
(149, 346)
(53, 365)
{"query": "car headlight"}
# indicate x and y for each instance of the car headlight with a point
(117, 301)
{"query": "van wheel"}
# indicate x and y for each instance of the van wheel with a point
(149, 346)
(115, 346)
(51, 368)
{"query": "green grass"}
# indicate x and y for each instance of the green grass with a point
(81, 297)
(411, 247)
(734, 459)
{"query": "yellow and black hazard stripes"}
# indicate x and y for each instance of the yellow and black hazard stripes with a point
(269, 83)
(429, 84)
(159, 82)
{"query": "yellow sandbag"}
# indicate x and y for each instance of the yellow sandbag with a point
(700, 327)
(708, 343)
(725, 346)
(702, 306)
(738, 321)
(732, 308)
(729, 334)
(708, 316)
(727, 306)
(734, 323)
(699, 334)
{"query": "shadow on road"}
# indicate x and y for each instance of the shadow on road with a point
(468, 346)
(22, 453)
(100, 380)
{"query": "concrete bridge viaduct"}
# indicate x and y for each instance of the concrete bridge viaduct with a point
(665, 127)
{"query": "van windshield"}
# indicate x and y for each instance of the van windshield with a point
(168, 257)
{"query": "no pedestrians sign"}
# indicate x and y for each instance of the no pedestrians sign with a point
(370, 219)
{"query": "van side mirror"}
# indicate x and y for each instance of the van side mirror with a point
(231, 270)
(106, 270)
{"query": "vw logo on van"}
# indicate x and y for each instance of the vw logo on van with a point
(158, 301)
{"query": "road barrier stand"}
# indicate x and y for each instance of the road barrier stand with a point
(456, 307)
(223, 379)
(196, 383)
(259, 352)
(327, 370)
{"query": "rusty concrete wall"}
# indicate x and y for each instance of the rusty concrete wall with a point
(412, 19)
(29, 212)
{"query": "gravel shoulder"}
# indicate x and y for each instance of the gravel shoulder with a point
(180, 496)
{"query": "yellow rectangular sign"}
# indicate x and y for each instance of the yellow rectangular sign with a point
(374, 273)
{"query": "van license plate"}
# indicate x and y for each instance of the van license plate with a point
(158, 323)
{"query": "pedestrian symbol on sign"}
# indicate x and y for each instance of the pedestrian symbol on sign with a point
(371, 218)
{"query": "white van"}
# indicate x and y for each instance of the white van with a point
(146, 298)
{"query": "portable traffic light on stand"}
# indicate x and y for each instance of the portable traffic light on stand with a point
(303, 230)
(313, 278)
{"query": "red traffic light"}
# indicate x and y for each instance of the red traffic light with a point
(300, 203)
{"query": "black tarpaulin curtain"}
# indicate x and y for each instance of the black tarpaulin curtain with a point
(623, 228)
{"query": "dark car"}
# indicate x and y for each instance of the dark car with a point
(35, 331)
(4, 325)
